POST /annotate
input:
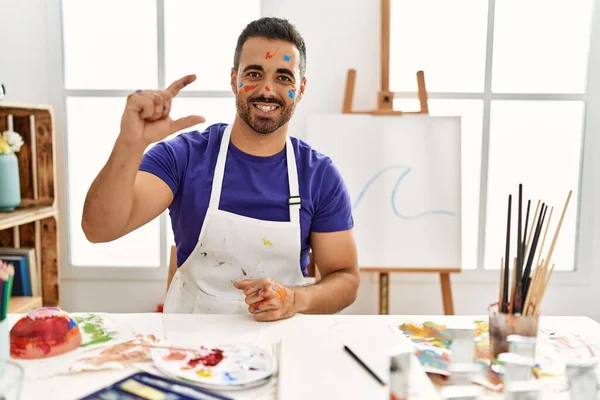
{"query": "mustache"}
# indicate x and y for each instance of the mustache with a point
(262, 99)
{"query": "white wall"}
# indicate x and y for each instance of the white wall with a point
(27, 69)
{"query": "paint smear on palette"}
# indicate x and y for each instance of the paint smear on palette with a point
(269, 55)
(244, 272)
(292, 93)
(222, 364)
(175, 355)
(210, 360)
(286, 58)
(267, 242)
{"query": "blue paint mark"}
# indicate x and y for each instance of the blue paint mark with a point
(291, 94)
(228, 377)
(241, 84)
(393, 196)
(286, 57)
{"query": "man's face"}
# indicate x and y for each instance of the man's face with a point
(267, 84)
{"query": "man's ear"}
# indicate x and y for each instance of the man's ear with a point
(234, 81)
(302, 88)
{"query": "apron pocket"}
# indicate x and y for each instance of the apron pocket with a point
(208, 304)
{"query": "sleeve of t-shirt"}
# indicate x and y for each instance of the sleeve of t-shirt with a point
(163, 160)
(333, 210)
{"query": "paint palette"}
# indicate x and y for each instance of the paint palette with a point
(224, 366)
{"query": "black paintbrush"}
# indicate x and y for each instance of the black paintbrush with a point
(536, 238)
(504, 306)
(516, 295)
(373, 374)
(524, 249)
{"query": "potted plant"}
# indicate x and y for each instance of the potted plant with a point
(10, 188)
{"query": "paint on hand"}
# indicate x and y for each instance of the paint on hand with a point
(269, 55)
(243, 272)
(280, 292)
(267, 89)
(286, 58)
(267, 242)
(256, 308)
(292, 93)
(247, 89)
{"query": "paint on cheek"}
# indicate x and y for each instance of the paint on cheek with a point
(241, 84)
(247, 89)
(292, 93)
(286, 58)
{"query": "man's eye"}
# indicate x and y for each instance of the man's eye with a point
(253, 75)
(285, 78)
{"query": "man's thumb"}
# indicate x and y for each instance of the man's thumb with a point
(186, 122)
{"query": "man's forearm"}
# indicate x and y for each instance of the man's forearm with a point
(330, 295)
(108, 203)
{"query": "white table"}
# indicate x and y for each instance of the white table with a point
(313, 363)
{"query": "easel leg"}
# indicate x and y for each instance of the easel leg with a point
(447, 294)
(384, 293)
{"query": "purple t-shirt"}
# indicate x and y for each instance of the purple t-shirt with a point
(255, 187)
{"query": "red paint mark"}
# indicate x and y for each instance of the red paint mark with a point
(267, 89)
(246, 89)
(269, 55)
(209, 360)
(174, 356)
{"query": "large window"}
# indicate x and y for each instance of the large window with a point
(147, 44)
(517, 72)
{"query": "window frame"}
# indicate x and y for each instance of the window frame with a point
(59, 94)
(583, 243)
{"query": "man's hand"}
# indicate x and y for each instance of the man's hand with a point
(146, 117)
(267, 300)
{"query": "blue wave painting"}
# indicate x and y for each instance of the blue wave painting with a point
(404, 174)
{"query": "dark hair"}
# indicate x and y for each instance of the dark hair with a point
(275, 29)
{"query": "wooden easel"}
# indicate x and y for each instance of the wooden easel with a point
(385, 107)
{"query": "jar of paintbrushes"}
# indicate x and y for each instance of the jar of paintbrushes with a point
(524, 278)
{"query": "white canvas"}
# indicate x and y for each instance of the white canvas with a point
(404, 178)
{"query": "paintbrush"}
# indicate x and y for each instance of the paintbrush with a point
(362, 364)
(536, 237)
(504, 304)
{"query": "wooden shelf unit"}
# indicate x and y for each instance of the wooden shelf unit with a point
(34, 224)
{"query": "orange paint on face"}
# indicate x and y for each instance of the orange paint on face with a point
(269, 55)
(246, 89)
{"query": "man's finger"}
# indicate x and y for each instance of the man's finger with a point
(141, 104)
(272, 315)
(243, 283)
(159, 105)
(179, 84)
(259, 295)
(186, 122)
(264, 306)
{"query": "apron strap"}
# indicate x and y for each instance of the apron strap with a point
(215, 195)
(294, 201)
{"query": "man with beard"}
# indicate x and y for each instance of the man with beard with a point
(247, 202)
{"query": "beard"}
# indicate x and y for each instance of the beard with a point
(261, 124)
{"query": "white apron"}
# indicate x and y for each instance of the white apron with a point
(234, 247)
